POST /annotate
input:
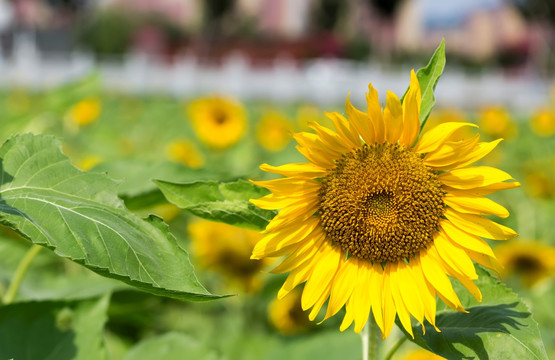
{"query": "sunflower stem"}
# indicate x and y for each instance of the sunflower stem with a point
(395, 348)
(370, 337)
(20, 272)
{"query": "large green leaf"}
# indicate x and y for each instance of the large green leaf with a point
(53, 330)
(80, 217)
(500, 327)
(170, 346)
(223, 202)
(428, 77)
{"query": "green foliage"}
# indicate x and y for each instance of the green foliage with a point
(171, 346)
(224, 202)
(53, 330)
(80, 217)
(428, 77)
(500, 327)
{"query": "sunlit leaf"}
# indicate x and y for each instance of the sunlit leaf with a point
(223, 202)
(500, 327)
(80, 217)
(428, 77)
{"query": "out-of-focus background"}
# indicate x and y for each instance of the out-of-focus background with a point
(189, 89)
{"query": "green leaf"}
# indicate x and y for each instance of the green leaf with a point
(170, 346)
(500, 327)
(80, 217)
(223, 202)
(53, 330)
(428, 77)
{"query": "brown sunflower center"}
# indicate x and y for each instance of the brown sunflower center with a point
(381, 203)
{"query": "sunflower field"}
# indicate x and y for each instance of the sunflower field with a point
(151, 227)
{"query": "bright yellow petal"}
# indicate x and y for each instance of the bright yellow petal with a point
(454, 257)
(330, 138)
(343, 285)
(349, 315)
(388, 306)
(298, 170)
(273, 202)
(479, 226)
(411, 109)
(481, 150)
(433, 139)
(473, 177)
(286, 186)
(450, 152)
(465, 239)
(436, 277)
(410, 293)
(375, 114)
(345, 129)
(304, 252)
(361, 295)
(276, 241)
(393, 118)
(400, 306)
(376, 294)
(426, 291)
(295, 277)
(487, 261)
(475, 205)
(323, 273)
(484, 190)
(324, 294)
(361, 122)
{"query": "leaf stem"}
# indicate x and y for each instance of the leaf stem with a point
(20, 272)
(395, 348)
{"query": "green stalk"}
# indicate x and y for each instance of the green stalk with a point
(20, 272)
(395, 348)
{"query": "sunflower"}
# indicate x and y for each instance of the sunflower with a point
(533, 261)
(287, 315)
(496, 121)
(226, 249)
(273, 131)
(219, 122)
(85, 111)
(185, 152)
(378, 219)
(543, 122)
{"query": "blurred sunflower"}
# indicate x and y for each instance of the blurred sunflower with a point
(450, 114)
(227, 249)
(273, 131)
(543, 122)
(496, 121)
(85, 111)
(376, 220)
(532, 261)
(287, 315)
(185, 152)
(539, 184)
(306, 114)
(218, 122)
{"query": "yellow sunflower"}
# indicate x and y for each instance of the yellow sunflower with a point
(85, 111)
(496, 121)
(219, 122)
(226, 249)
(273, 131)
(543, 122)
(287, 315)
(185, 152)
(378, 218)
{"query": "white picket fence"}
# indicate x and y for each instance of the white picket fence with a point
(322, 81)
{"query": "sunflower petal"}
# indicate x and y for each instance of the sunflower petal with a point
(475, 205)
(375, 114)
(436, 277)
(362, 295)
(479, 226)
(298, 170)
(343, 285)
(484, 190)
(473, 177)
(454, 257)
(400, 306)
(324, 271)
(345, 129)
(361, 122)
(433, 139)
(465, 240)
(411, 109)
(393, 118)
